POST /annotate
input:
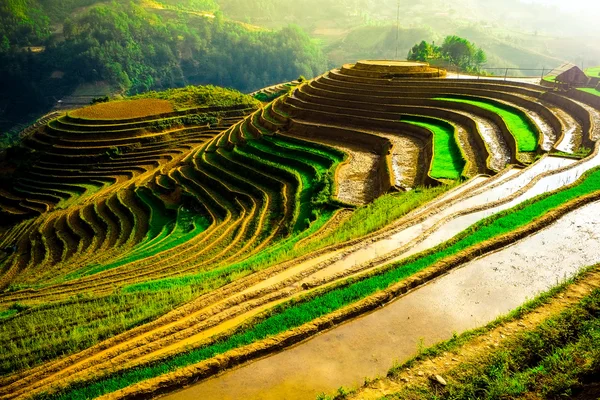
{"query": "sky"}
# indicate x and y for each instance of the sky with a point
(588, 5)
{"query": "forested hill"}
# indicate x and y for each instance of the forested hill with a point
(50, 47)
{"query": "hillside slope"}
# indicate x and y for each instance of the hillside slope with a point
(179, 234)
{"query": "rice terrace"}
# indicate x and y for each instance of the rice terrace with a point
(301, 241)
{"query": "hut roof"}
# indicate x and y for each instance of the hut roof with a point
(574, 76)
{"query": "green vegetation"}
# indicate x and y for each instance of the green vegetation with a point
(315, 174)
(554, 360)
(380, 213)
(269, 97)
(593, 91)
(173, 233)
(456, 50)
(205, 96)
(363, 221)
(518, 124)
(593, 72)
(36, 335)
(448, 162)
(307, 308)
(7, 313)
(581, 152)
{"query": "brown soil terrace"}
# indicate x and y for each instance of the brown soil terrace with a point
(127, 109)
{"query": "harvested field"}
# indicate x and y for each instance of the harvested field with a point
(127, 109)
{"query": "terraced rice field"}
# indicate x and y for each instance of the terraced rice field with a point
(125, 109)
(142, 253)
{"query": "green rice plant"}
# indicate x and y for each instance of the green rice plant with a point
(7, 313)
(224, 163)
(363, 221)
(299, 311)
(518, 124)
(278, 252)
(448, 161)
(593, 91)
(45, 332)
(187, 225)
(315, 176)
(593, 72)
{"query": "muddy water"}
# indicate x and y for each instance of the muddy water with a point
(500, 155)
(572, 131)
(357, 177)
(507, 185)
(595, 115)
(405, 159)
(466, 298)
(548, 135)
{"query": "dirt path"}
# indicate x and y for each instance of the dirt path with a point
(464, 299)
(453, 75)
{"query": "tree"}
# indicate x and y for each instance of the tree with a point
(459, 51)
(423, 52)
(480, 58)
(4, 44)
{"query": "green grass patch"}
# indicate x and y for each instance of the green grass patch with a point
(297, 312)
(524, 132)
(593, 91)
(7, 313)
(48, 331)
(593, 72)
(278, 252)
(448, 162)
(205, 96)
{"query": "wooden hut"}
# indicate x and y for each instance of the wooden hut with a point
(574, 76)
